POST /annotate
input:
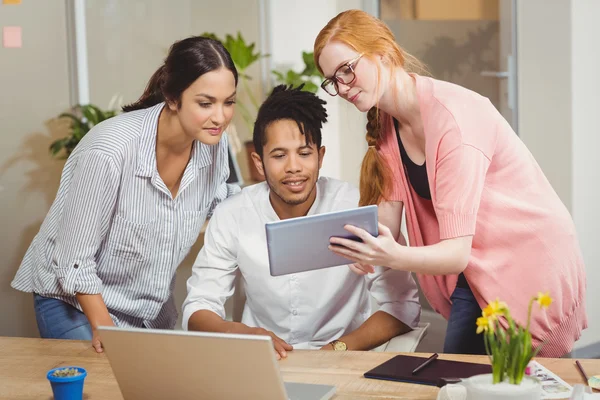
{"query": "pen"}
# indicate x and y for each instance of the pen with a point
(426, 363)
(583, 374)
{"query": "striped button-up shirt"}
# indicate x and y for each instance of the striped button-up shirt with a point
(114, 227)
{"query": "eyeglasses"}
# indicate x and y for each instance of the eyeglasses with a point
(344, 75)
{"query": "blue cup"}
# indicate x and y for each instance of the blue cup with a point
(67, 387)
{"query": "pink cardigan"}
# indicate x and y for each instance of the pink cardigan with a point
(484, 182)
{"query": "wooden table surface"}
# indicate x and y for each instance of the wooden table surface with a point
(24, 363)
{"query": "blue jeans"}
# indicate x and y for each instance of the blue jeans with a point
(461, 337)
(59, 320)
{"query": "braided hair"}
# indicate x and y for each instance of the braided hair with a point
(287, 102)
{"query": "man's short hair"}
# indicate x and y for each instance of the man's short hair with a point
(287, 102)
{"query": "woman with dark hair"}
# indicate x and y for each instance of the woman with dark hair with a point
(132, 200)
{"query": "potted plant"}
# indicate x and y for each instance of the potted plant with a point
(67, 382)
(509, 346)
(83, 118)
(306, 77)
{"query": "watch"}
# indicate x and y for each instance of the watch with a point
(338, 345)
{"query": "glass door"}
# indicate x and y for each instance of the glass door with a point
(468, 42)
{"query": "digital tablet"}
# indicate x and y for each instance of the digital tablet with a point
(302, 244)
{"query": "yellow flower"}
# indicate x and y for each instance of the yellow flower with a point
(494, 309)
(483, 324)
(544, 299)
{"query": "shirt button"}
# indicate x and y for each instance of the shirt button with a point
(295, 312)
(76, 266)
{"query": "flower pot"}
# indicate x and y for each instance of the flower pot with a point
(67, 387)
(482, 387)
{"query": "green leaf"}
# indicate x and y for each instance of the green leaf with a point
(75, 121)
(101, 115)
(310, 87)
(310, 68)
(82, 119)
(278, 75)
(57, 146)
(90, 115)
(243, 54)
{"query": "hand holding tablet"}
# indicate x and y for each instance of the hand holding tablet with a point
(302, 244)
(369, 251)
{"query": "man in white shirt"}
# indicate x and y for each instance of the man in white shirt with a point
(328, 308)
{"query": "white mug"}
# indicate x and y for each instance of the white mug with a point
(480, 387)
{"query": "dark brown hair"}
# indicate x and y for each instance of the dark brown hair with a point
(188, 59)
(294, 104)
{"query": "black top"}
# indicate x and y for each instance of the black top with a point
(417, 176)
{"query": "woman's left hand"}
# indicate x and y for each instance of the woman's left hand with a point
(382, 250)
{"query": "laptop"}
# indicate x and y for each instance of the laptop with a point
(302, 244)
(163, 364)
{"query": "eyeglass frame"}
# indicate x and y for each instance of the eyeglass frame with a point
(350, 64)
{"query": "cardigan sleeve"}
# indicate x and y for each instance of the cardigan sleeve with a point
(459, 180)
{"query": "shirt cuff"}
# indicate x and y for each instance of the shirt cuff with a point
(407, 312)
(457, 225)
(191, 308)
(78, 278)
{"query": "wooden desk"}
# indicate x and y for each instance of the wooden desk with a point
(24, 363)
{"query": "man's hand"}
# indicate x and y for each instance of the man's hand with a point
(208, 321)
(281, 347)
(328, 346)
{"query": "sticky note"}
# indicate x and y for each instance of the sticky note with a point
(11, 1)
(11, 36)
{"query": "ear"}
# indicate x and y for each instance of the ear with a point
(172, 105)
(258, 163)
(321, 155)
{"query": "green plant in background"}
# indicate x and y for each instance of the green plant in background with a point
(244, 55)
(83, 118)
(305, 77)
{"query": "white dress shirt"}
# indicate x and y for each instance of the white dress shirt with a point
(114, 227)
(308, 309)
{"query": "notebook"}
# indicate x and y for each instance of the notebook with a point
(400, 369)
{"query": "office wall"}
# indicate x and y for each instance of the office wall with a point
(558, 103)
(34, 84)
(585, 67)
(128, 40)
(544, 74)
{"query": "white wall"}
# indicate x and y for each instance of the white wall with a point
(293, 27)
(544, 75)
(558, 64)
(34, 87)
(585, 93)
